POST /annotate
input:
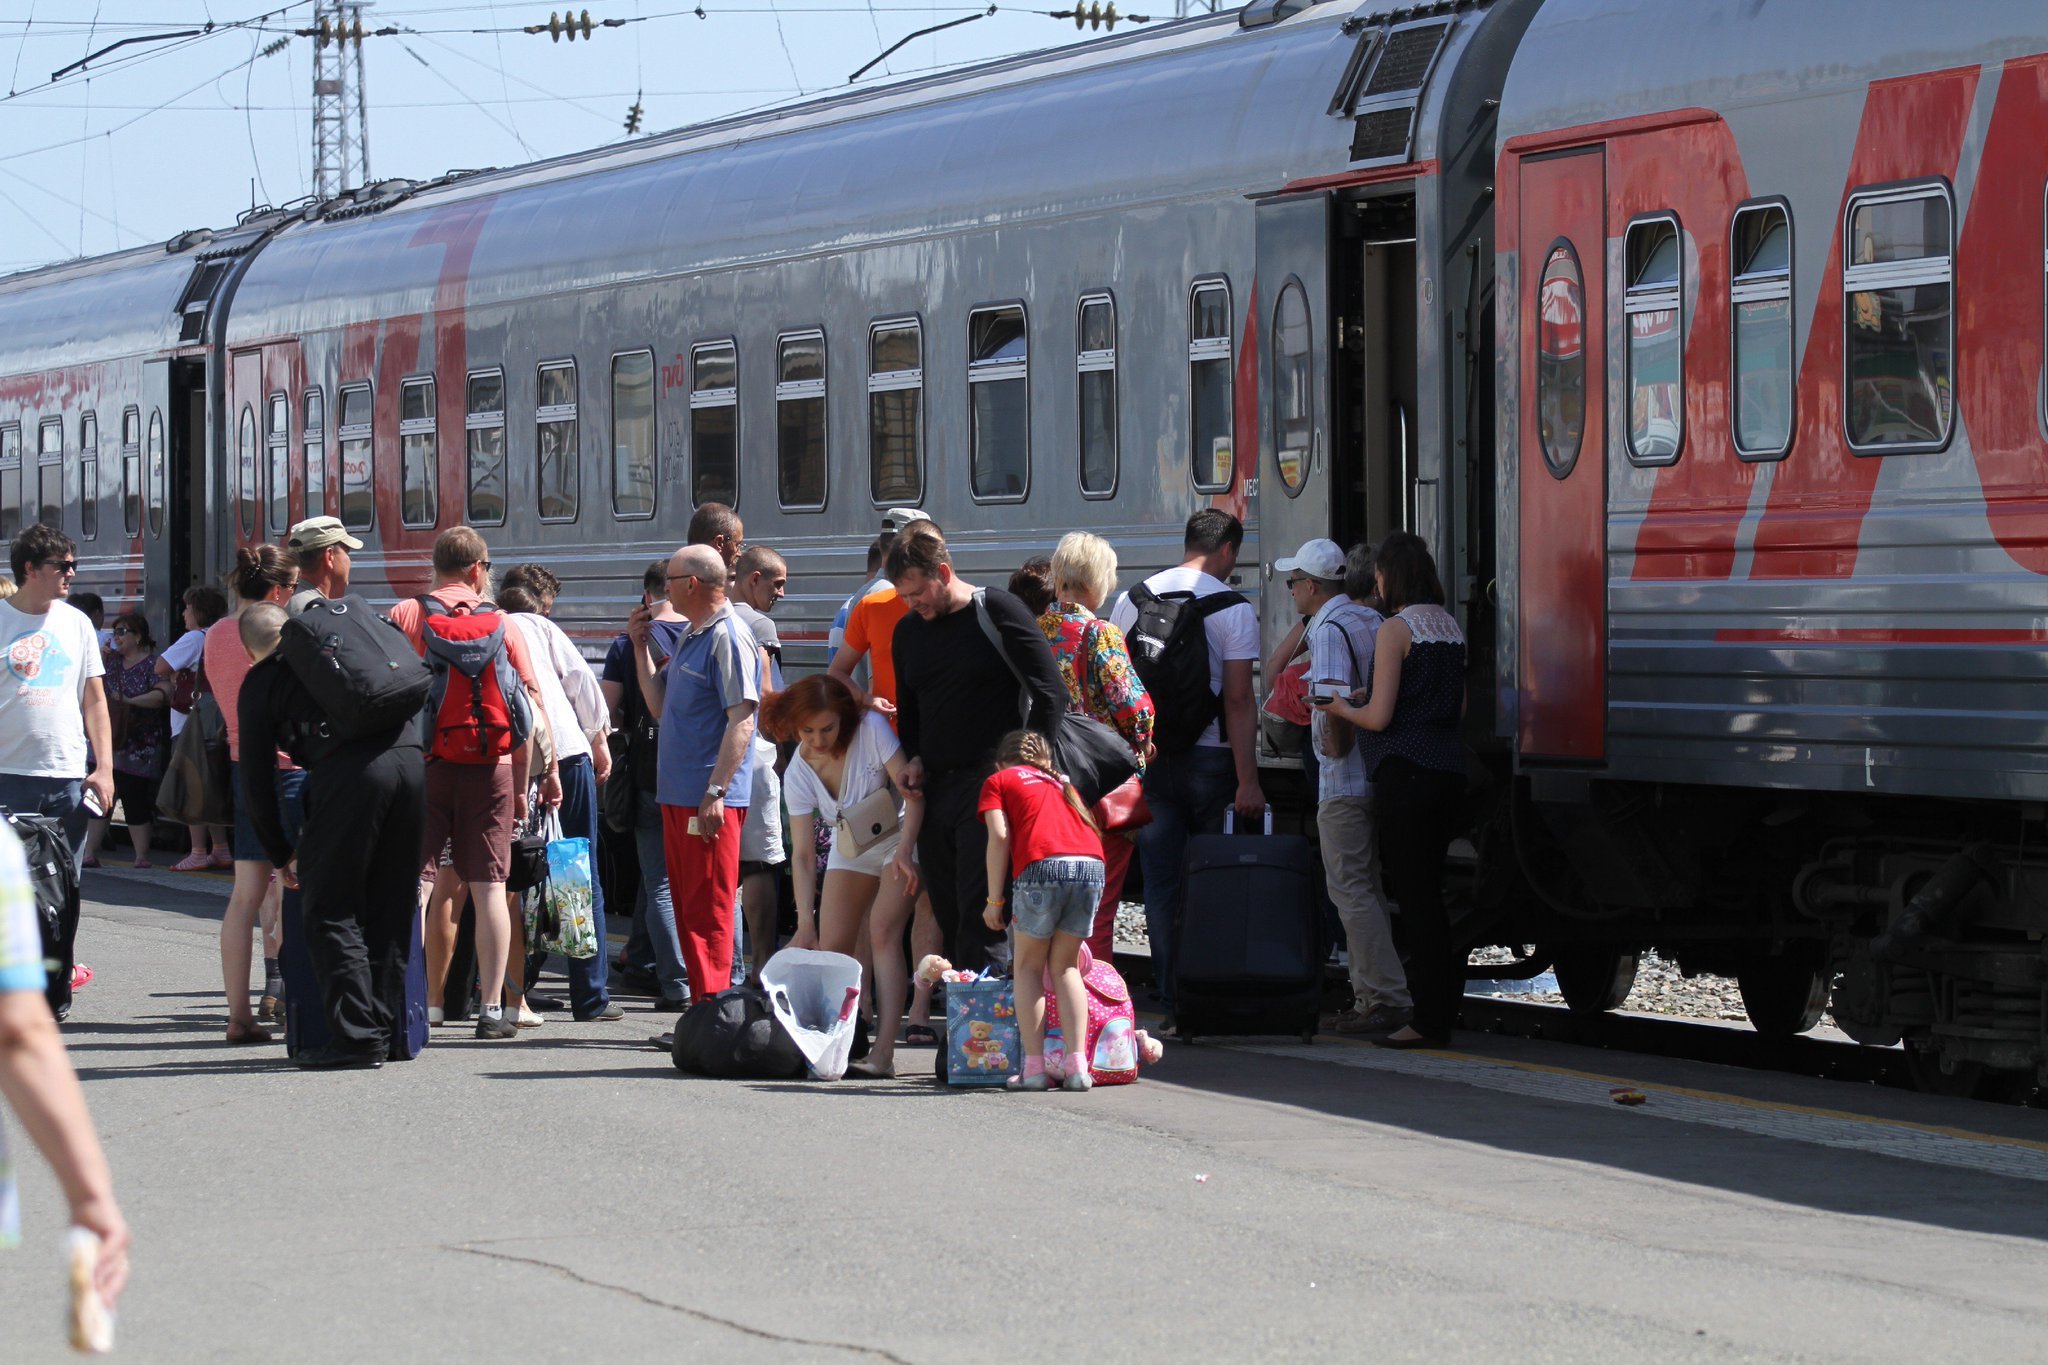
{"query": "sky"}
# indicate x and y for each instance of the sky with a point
(164, 135)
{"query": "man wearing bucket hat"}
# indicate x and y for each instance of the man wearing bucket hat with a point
(1341, 634)
(322, 546)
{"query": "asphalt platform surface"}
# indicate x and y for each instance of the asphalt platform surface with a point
(570, 1197)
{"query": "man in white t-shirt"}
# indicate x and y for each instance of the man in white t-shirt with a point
(1206, 759)
(759, 581)
(52, 702)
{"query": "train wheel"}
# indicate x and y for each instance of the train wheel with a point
(1785, 993)
(1593, 977)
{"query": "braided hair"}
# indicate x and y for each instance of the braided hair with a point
(1029, 749)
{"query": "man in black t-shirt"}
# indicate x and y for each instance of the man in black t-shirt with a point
(957, 695)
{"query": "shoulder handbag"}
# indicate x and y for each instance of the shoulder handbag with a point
(1092, 755)
(1122, 810)
(196, 788)
(871, 819)
(529, 867)
(617, 801)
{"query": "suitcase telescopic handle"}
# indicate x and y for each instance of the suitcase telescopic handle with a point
(1230, 819)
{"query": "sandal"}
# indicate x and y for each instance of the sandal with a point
(920, 1035)
(223, 858)
(81, 975)
(867, 1070)
(246, 1033)
(192, 862)
(143, 864)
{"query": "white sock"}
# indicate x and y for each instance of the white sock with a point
(494, 1011)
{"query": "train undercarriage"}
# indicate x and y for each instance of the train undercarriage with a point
(1910, 922)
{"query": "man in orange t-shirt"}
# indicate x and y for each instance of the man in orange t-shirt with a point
(870, 629)
(472, 808)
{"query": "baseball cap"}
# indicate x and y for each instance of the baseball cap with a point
(317, 533)
(1316, 558)
(896, 518)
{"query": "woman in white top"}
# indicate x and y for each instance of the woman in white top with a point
(845, 753)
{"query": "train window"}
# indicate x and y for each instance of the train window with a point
(633, 480)
(358, 457)
(1653, 303)
(896, 412)
(277, 436)
(800, 419)
(1561, 359)
(50, 473)
(715, 423)
(998, 380)
(484, 429)
(10, 482)
(246, 492)
(1899, 316)
(1760, 297)
(131, 472)
(153, 467)
(313, 431)
(1294, 398)
(419, 464)
(1095, 366)
(89, 476)
(554, 440)
(1210, 449)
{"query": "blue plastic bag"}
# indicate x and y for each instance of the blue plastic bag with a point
(982, 1042)
(559, 916)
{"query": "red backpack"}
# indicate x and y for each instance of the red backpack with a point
(477, 710)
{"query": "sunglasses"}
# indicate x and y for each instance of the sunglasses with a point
(61, 565)
(122, 630)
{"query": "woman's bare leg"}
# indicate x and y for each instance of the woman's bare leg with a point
(252, 883)
(444, 907)
(886, 919)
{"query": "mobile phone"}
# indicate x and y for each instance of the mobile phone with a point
(1325, 692)
(92, 804)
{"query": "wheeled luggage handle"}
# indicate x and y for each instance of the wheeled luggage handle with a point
(1230, 819)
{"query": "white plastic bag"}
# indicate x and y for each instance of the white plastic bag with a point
(815, 997)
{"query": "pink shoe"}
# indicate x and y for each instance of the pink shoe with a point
(91, 862)
(223, 858)
(143, 864)
(81, 975)
(192, 862)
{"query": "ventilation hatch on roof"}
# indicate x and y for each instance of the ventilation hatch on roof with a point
(1382, 83)
(1405, 58)
(1382, 133)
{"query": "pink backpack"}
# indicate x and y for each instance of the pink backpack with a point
(1112, 1024)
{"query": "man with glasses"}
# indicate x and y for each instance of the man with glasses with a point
(322, 546)
(706, 698)
(52, 701)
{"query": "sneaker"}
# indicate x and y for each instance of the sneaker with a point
(665, 1041)
(267, 1011)
(1376, 1022)
(1040, 1081)
(1078, 1079)
(671, 1004)
(612, 1012)
(496, 1029)
(436, 1016)
(526, 1018)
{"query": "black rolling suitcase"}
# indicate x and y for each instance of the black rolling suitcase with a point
(53, 880)
(305, 1008)
(1248, 947)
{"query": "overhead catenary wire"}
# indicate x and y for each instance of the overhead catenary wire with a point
(443, 77)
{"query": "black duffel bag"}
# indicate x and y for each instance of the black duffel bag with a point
(733, 1036)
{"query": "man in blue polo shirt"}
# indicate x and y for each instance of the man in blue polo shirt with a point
(706, 699)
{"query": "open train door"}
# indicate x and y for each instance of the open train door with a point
(173, 494)
(1291, 308)
(1562, 460)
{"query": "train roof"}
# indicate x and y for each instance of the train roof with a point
(1590, 61)
(1190, 108)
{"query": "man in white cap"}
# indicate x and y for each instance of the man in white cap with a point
(1341, 634)
(322, 546)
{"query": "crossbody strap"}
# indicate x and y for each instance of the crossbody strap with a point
(995, 637)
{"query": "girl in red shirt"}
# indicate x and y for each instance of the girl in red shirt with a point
(1042, 841)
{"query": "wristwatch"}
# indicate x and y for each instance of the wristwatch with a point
(714, 792)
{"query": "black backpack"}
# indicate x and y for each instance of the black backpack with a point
(1170, 649)
(735, 1036)
(360, 669)
(53, 881)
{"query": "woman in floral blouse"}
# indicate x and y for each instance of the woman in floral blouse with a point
(1100, 679)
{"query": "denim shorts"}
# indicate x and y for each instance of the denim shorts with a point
(291, 784)
(1057, 895)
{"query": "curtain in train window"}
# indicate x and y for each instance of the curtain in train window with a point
(131, 472)
(715, 424)
(419, 464)
(633, 480)
(998, 380)
(277, 436)
(313, 431)
(1294, 399)
(153, 464)
(10, 482)
(89, 476)
(1899, 319)
(1653, 303)
(245, 472)
(1561, 359)
(1095, 365)
(50, 473)
(1211, 439)
(358, 457)
(800, 420)
(554, 440)
(1761, 297)
(484, 429)
(896, 412)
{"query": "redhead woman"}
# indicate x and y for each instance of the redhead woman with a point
(846, 752)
